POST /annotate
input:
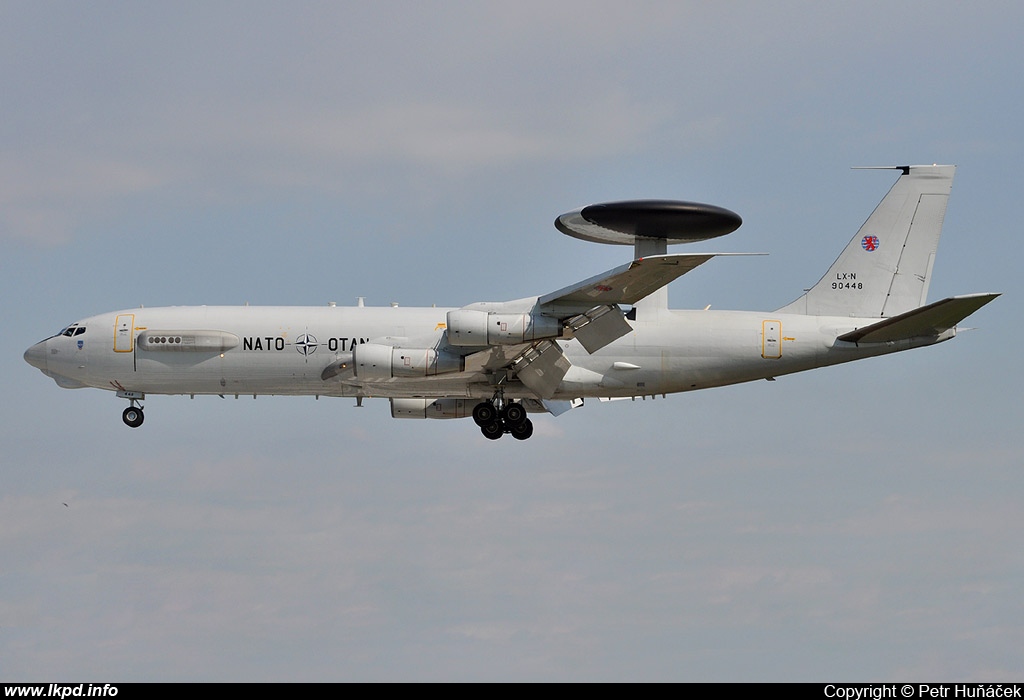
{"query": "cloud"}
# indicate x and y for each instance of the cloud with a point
(45, 196)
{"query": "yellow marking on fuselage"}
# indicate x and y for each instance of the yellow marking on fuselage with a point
(130, 328)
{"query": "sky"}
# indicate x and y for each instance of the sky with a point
(861, 522)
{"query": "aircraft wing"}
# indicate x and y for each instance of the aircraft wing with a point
(495, 357)
(929, 320)
(626, 284)
(519, 336)
(591, 307)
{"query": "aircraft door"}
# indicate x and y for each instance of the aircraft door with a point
(771, 340)
(124, 333)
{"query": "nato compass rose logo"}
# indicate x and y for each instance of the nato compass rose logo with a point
(869, 243)
(306, 344)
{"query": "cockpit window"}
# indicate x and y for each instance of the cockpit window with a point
(72, 330)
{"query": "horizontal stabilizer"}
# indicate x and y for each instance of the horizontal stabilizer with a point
(926, 321)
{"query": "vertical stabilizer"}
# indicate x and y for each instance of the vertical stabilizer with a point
(886, 268)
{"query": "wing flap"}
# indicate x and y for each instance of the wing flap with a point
(557, 408)
(926, 321)
(541, 368)
(495, 357)
(599, 327)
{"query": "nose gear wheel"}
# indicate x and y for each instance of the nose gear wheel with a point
(133, 416)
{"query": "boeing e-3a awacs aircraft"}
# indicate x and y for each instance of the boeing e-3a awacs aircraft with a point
(498, 361)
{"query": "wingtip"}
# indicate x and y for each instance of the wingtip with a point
(904, 168)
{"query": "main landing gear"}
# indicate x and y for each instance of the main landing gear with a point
(496, 417)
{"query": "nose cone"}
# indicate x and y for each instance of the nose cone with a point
(36, 355)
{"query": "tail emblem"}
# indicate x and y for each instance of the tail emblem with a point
(869, 243)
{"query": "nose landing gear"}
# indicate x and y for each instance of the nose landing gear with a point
(133, 415)
(496, 417)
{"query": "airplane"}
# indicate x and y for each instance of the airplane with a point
(609, 337)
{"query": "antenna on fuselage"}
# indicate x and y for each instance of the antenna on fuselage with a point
(650, 226)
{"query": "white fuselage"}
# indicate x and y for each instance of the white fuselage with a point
(496, 361)
(285, 350)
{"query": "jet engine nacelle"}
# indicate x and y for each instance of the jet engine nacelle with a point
(377, 361)
(432, 408)
(472, 327)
